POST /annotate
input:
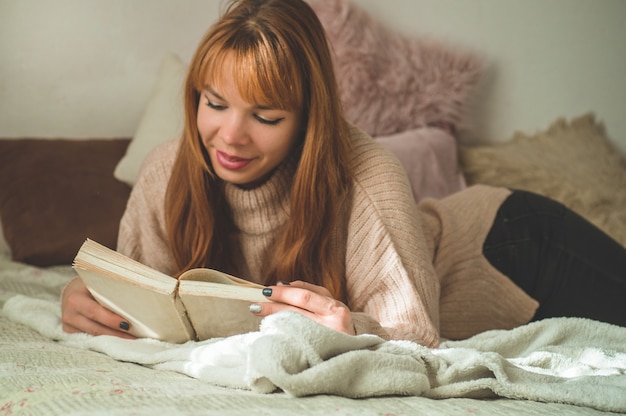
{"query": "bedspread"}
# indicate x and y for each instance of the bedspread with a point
(566, 366)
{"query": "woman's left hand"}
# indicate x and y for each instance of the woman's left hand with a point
(314, 302)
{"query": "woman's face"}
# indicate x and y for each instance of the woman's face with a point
(245, 141)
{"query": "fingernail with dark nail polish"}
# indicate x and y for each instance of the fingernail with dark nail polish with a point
(267, 291)
(125, 325)
(284, 282)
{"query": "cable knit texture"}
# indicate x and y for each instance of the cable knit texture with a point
(413, 272)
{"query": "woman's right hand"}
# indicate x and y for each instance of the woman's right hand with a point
(81, 313)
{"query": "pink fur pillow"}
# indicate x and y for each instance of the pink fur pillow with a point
(390, 82)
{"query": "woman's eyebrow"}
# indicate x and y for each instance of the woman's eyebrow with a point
(213, 92)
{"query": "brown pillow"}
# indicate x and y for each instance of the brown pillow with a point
(55, 193)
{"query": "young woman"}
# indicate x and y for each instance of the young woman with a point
(270, 183)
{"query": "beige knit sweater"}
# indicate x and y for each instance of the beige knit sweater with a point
(412, 272)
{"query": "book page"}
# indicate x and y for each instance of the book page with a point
(144, 297)
(218, 304)
(115, 265)
(151, 314)
(215, 276)
(221, 290)
(217, 317)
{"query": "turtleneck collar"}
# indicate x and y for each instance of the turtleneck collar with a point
(265, 208)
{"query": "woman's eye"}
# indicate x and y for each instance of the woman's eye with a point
(270, 122)
(214, 105)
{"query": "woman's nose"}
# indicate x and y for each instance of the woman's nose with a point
(233, 130)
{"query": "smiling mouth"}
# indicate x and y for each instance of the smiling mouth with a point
(231, 162)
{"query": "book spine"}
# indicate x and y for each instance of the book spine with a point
(184, 317)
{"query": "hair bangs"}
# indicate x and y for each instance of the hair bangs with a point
(263, 76)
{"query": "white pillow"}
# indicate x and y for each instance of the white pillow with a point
(162, 120)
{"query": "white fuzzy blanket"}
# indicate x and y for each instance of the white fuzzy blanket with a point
(564, 360)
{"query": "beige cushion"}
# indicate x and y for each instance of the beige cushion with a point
(572, 162)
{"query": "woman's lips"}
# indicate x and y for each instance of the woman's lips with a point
(232, 162)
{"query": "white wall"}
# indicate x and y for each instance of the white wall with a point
(84, 68)
(548, 58)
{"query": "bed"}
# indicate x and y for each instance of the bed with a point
(54, 193)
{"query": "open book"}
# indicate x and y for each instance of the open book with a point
(201, 304)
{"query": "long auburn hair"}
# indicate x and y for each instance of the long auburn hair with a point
(281, 57)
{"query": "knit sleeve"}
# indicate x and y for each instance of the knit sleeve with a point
(142, 235)
(392, 287)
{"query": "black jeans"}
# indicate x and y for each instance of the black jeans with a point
(560, 259)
